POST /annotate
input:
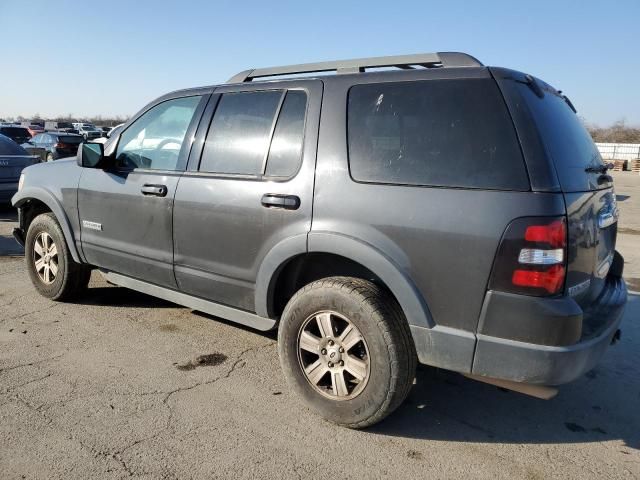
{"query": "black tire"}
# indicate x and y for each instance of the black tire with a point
(71, 278)
(390, 348)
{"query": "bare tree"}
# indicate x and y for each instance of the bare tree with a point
(619, 132)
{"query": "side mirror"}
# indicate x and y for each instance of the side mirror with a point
(91, 155)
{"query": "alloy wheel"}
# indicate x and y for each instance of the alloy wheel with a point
(333, 355)
(45, 258)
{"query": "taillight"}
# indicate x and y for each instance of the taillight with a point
(532, 256)
(555, 234)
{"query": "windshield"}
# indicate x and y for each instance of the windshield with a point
(565, 138)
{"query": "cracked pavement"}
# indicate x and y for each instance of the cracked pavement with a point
(123, 385)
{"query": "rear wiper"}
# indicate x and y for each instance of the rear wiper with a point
(599, 168)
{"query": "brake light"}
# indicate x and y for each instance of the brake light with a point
(555, 234)
(551, 280)
(531, 257)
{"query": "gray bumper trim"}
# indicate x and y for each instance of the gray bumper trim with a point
(541, 364)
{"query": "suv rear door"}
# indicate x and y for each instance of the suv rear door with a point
(248, 186)
(126, 210)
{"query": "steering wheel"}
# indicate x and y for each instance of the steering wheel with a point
(165, 142)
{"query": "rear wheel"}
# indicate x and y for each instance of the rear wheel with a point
(51, 268)
(49, 157)
(346, 350)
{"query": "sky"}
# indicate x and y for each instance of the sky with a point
(111, 58)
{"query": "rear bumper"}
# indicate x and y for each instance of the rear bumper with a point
(534, 363)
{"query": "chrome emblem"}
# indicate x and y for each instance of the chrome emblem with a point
(92, 225)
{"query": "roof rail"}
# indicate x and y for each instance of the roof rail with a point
(356, 65)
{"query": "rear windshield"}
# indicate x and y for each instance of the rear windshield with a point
(452, 133)
(15, 131)
(9, 147)
(70, 139)
(565, 138)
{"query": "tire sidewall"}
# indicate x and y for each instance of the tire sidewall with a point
(45, 223)
(365, 318)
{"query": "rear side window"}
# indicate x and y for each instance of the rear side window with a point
(453, 133)
(239, 133)
(565, 138)
(285, 152)
(244, 140)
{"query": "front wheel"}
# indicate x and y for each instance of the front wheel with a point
(51, 268)
(346, 349)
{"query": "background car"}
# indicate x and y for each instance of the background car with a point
(58, 126)
(111, 133)
(56, 144)
(13, 158)
(105, 130)
(87, 130)
(16, 133)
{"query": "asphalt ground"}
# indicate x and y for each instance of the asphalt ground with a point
(121, 384)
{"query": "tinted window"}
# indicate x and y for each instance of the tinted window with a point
(454, 133)
(154, 140)
(18, 134)
(9, 147)
(70, 139)
(565, 138)
(239, 133)
(286, 146)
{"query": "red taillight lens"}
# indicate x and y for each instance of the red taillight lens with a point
(551, 280)
(532, 257)
(555, 234)
(59, 145)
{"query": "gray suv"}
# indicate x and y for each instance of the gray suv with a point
(430, 209)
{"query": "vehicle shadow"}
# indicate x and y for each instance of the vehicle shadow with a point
(8, 214)
(602, 405)
(9, 247)
(118, 297)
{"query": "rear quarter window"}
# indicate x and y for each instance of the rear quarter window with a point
(566, 140)
(450, 133)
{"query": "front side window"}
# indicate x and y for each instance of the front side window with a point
(154, 140)
(453, 133)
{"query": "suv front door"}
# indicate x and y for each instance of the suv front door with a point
(126, 210)
(248, 187)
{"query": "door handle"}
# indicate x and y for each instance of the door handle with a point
(154, 190)
(288, 202)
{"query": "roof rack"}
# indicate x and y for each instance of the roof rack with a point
(356, 65)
